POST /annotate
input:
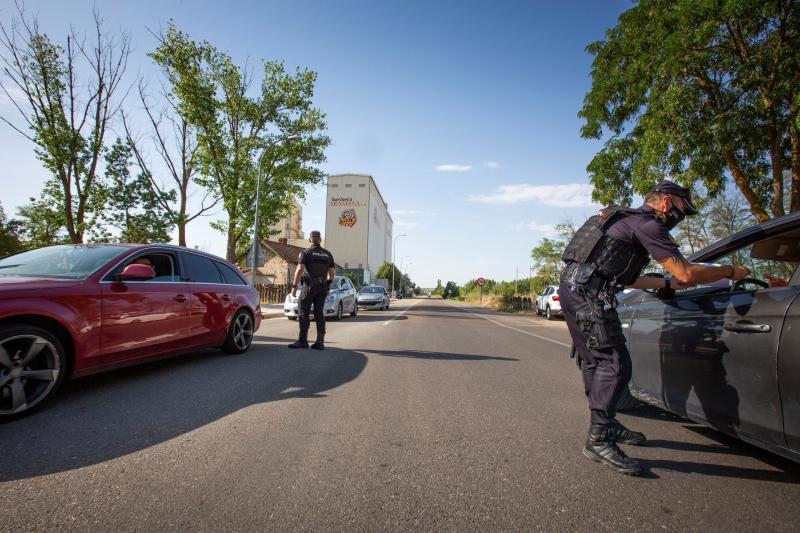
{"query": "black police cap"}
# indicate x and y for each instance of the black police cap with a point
(316, 234)
(670, 187)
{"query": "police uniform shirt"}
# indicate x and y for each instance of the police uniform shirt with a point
(646, 230)
(317, 260)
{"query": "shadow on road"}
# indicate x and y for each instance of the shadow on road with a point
(374, 318)
(709, 469)
(103, 417)
(788, 471)
(438, 356)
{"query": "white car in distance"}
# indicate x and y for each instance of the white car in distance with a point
(547, 303)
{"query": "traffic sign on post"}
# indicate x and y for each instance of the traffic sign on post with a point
(480, 282)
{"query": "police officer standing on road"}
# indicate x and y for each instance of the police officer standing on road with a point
(606, 255)
(316, 270)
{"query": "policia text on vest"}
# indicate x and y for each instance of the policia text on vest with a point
(313, 276)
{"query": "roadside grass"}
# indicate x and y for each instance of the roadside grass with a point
(494, 301)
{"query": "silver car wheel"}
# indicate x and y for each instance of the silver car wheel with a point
(29, 369)
(243, 331)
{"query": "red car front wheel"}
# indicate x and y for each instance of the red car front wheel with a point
(32, 367)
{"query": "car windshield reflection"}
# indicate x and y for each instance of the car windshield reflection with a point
(65, 261)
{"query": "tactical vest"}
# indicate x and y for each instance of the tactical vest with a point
(613, 260)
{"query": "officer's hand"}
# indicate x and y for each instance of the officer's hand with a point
(680, 285)
(294, 292)
(740, 272)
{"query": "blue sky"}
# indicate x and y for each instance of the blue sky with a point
(464, 112)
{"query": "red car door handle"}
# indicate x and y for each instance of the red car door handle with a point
(226, 297)
(747, 328)
(180, 298)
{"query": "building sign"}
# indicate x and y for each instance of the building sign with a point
(348, 218)
(341, 201)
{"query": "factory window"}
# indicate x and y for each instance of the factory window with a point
(334, 184)
(348, 185)
(347, 265)
(360, 265)
(362, 185)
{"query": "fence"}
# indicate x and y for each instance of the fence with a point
(272, 294)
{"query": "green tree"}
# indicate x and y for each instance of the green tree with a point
(65, 114)
(385, 272)
(547, 261)
(174, 141)
(695, 89)
(439, 289)
(41, 222)
(10, 242)
(451, 290)
(132, 207)
(235, 129)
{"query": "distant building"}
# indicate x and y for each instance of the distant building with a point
(290, 227)
(358, 227)
(276, 263)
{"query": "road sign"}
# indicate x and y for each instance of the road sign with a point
(480, 282)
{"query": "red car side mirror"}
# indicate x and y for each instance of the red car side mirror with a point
(136, 271)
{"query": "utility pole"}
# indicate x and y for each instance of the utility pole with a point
(256, 244)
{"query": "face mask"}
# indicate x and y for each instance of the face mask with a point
(673, 217)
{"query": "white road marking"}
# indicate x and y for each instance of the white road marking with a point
(401, 313)
(564, 344)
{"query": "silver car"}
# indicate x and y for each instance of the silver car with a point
(340, 300)
(373, 297)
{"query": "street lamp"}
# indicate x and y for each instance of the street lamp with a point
(394, 250)
(255, 225)
(258, 194)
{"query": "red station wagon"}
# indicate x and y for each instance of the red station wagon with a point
(78, 309)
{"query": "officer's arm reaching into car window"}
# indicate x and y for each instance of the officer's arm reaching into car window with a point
(689, 274)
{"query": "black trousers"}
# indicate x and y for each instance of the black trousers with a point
(605, 372)
(316, 296)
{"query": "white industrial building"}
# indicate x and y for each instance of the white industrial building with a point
(358, 227)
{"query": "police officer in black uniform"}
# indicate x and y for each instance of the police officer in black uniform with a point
(606, 255)
(315, 269)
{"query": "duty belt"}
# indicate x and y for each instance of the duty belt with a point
(315, 281)
(584, 280)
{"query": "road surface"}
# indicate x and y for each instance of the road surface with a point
(431, 416)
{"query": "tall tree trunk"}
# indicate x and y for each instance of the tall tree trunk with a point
(74, 236)
(794, 134)
(182, 219)
(776, 161)
(756, 203)
(230, 251)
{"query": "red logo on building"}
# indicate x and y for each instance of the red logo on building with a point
(348, 218)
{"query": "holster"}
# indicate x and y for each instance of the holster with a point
(601, 327)
(584, 278)
(304, 289)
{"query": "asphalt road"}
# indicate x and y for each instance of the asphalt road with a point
(431, 416)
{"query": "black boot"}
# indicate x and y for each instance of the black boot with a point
(302, 342)
(623, 435)
(600, 447)
(320, 343)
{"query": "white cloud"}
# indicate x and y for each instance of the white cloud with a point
(548, 229)
(454, 168)
(407, 225)
(491, 164)
(568, 195)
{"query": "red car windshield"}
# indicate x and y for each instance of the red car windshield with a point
(67, 261)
